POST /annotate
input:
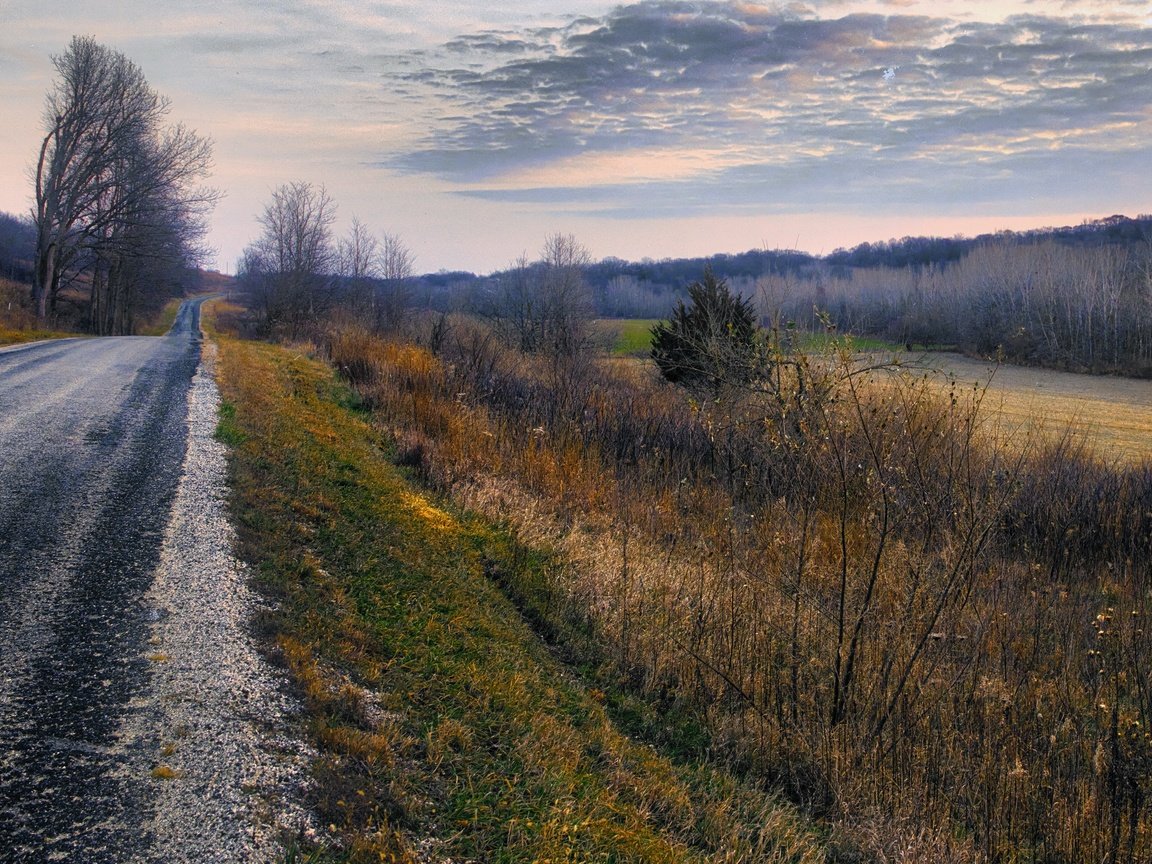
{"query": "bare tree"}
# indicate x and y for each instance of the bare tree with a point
(567, 303)
(356, 255)
(396, 266)
(546, 307)
(155, 237)
(290, 267)
(109, 177)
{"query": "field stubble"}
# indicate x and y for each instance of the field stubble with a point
(1113, 414)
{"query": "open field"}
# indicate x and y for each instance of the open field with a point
(626, 336)
(1114, 413)
(927, 637)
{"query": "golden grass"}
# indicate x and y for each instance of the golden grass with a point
(9, 336)
(17, 323)
(1114, 415)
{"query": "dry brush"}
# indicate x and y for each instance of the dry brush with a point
(879, 607)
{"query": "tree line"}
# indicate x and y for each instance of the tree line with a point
(1045, 303)
(298, 274)
(1075, 298)
(120, 209)
(299, 277)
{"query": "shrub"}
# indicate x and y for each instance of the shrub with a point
(711, 343)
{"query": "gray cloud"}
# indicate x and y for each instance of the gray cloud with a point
(1052, 181)
(963, 104)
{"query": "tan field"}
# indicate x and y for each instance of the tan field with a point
(1114, 413)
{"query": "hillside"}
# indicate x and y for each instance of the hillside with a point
(457, 713)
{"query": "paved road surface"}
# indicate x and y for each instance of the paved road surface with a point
(92, 437)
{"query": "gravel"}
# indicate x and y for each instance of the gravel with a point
(228, 774)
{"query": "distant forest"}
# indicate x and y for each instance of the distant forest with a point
(17, 248)
(1077, 297)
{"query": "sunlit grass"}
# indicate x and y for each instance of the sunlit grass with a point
(11, 336)
(709, 552)
(1110, 413)
(820, 342)
(17, 321)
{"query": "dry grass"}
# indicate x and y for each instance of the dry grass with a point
(904, 625)
(17, 323)
(1112, 414)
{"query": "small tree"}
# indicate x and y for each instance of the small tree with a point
(545, 307)
(357, 267)
(396, 266)
(290, 268)
(712, 342)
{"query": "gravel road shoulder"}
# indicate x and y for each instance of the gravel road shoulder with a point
(228, 774)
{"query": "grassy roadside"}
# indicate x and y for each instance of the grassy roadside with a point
(163, 321)
(13, 336)
(447, 729)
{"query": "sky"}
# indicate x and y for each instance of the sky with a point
(654, 129)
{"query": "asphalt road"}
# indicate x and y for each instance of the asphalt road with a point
(92, 437)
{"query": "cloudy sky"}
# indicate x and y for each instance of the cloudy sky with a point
(660, 128)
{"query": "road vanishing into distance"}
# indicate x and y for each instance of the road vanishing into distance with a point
(93, 437)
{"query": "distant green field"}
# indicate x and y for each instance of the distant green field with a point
(819, 342)
(627, 336)
(632, 337)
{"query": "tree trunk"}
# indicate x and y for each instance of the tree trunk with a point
(42, 286)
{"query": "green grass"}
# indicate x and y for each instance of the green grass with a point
(440, 714)
(628, 336)
(632, 337)
(820, 342)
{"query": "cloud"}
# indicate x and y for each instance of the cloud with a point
(805, 101)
